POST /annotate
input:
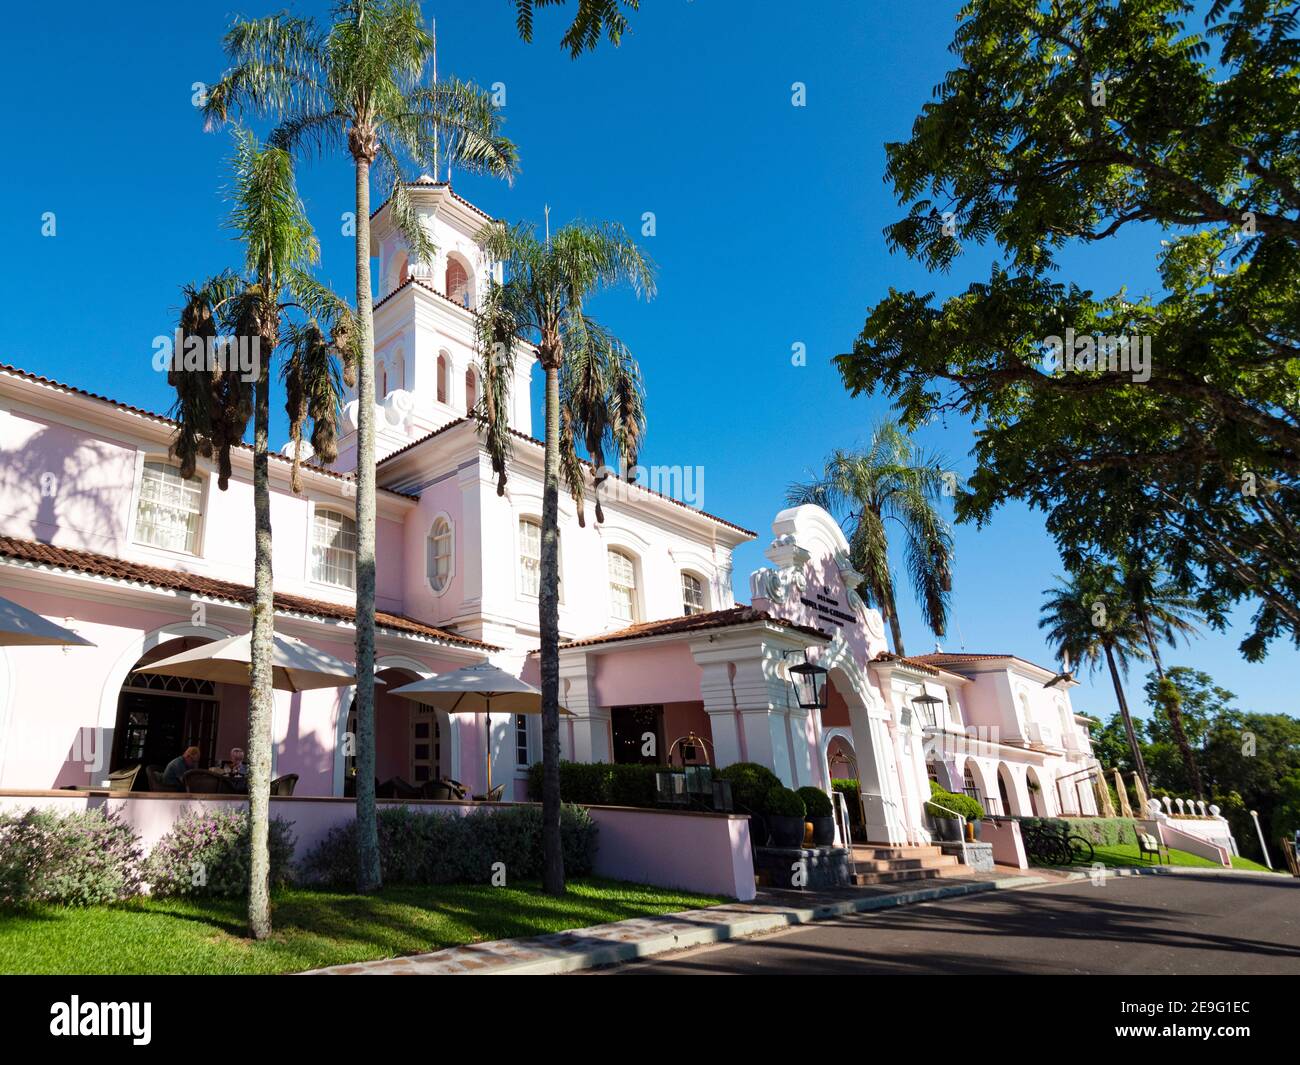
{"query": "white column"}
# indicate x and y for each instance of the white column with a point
(590, 722)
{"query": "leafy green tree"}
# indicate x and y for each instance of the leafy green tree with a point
(1253, 755)
(890, 480)
(1200, 702)
(593, 398)
(215, 400)
(359, 85)
(592, 18)
(1066, 124)
(1088, 617)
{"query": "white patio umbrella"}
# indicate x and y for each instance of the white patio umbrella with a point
(295, 666)
(478, 689)
(20, 627)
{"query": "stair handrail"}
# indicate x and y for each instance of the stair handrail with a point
(945, 809)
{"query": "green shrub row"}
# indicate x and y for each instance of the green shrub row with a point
(600, 783)
(1099, 831)
(207, 854)
(438, 848)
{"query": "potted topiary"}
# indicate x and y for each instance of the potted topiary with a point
(750, 783)
(820, 816)
(942, 809)
(785, 814)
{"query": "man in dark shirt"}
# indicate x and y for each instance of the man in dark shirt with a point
(174, 774)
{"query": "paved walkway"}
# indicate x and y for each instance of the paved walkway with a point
(621, 941)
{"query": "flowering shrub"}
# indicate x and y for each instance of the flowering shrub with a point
(207, 853)
(72, 859)
(438, 848)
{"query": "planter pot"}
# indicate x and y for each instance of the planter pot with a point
(785, 831)
(823, 831)
(947, 828)
(757, 830)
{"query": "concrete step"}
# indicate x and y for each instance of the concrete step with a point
(880, 865)
(884, 852)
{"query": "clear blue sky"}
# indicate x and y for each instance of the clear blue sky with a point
(768, 220)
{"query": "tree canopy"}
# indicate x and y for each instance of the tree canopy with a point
(1065, 123)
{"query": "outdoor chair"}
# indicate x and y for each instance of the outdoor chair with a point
(492, 796)
(154, 775)
(284, 785)
(1150, 845)
(123, 779)
(202, 782)
(438, 790)
(397, 788)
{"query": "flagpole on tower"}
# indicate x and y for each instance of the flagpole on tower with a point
(433, 31)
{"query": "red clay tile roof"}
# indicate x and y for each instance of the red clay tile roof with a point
(533, 440)
(690, 624)
(915, 663)
(64, 558)
(417, 184)
(162, 418)
(958, 658)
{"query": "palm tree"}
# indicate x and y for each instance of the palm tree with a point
(1162, 610)
(1089, 618)
(214, 403)
(359, 83)
(593, 396)
(890, 480)
(591, 19)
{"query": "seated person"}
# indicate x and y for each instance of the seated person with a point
(237, 767)
(174, 774)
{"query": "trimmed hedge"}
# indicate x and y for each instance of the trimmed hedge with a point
(817, 802)
(207, 854)
(437, 848)
(600, 783)
(782, 802)
(1099, 831)
(82, 858)
(962, 804)
(750, 784)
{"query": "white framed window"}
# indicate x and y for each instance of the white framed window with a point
(523, 748)
(692, 594)
(439, 562)
(333, 549)
(170, 512)
(530, 557)
(622, 586)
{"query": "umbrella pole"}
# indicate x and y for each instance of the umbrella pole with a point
(488, 748)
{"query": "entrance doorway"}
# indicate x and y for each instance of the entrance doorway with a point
(159, 717)
(638, 734)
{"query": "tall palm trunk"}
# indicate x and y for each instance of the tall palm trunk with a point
(548, 608)
(368, 871)
(895, 629)
(1138, 763)
(1173, 711)
(261, 695)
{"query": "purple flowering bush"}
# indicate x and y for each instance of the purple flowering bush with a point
(206, 853)
(81, 858)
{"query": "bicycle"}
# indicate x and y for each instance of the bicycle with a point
(1046, 846)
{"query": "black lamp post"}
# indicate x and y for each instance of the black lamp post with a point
(809, 683)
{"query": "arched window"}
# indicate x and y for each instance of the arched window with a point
(622, 587)
(442, 378)
(457, 282)
(471, 390)
(333, 549)
(381, 379)
(440, 555)
(400, 273)
(530, 556)
(398, 377)
(692, 594)
(170, 512)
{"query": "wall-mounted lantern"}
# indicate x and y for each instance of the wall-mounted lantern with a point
(809, 683)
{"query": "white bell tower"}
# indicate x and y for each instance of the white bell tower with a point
(426, 367)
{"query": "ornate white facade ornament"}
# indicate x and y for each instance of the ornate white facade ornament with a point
(774, 584)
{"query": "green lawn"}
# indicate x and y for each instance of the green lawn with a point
(1123, 855)
(312, 928)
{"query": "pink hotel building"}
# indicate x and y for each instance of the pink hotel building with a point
(99, 533)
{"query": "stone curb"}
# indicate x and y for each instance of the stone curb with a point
(559, 952)
(1165, 870)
